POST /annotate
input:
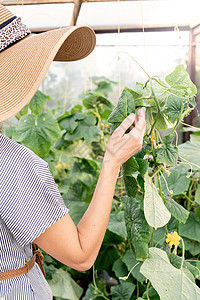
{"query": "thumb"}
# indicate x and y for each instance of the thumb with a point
(126, 123)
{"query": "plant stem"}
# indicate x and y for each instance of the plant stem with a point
(151, 238)
(136, 63)
(183, 253)
(190, 126)
(147, 290)
(138, 290)
(126, 277)
(160, 241)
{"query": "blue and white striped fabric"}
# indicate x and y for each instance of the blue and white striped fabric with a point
(30, 202)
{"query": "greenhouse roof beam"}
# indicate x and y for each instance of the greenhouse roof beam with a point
(134, 28)
(32, 2)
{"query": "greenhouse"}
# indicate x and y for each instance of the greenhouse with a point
(100, 143)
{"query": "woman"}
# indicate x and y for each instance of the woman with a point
(31, 207)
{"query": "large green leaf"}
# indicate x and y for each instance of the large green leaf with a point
(176, 262)
(191, 229)
(180, 81)
(84, 172)
(174, 105)
(116, 223)
(169, 282)
(122, 291)
(137, 228)
(69, 123)
(156, 213)
(130, 262)
(177, 182)
(168, 153)
(95, 99)
(38, 101)
(130, 166)
(37, 132)
(178, 211)
(125, 106)
(120, 269)
(130, 185)
(197, 195)
(79, 149)
(143, 165)
(64, 286)
(190, 152)
(86, 129)
(192, 246)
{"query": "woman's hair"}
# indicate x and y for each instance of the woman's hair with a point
(1, 127)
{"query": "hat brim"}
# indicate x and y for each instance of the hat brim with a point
(24, 65)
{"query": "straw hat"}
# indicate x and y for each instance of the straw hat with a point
(25, 58)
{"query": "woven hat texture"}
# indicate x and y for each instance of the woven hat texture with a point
(24, 64)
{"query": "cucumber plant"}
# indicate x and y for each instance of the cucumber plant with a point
(148, 203)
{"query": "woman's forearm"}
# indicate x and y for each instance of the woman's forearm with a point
(91, 228)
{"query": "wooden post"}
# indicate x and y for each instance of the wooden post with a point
(77, 7)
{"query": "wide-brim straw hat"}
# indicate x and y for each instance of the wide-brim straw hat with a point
(25, 58)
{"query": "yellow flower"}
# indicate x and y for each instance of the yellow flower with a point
(57, 184)
(173, 239)
(159, 146)
(64, 164)
(168, 172)
(58, 166)
(187, 111)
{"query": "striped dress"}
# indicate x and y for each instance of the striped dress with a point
(30, 202)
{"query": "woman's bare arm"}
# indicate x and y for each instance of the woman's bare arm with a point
(78, 246)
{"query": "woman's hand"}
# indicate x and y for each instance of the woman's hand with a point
(121, 146)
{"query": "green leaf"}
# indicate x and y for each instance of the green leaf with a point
(106, 257)
(153, 295)
(69, 123)
(191, 228)
(174, 105)
(86, 129)
(190, 152)
(176, 262)
(77, 210)
(137, 228)
(156, 213)
(143, 165)
(125, 106)
(162, 122)
(169, 282)
(177, 182)
(120, 269)
(197, 194)
(122, 291)
(62, 285)
(79, 149)
(180, 80)
(84, 172)
(93, 134)
(37, 103)
(130, 262)
(192, 246)
(116, 223)
(130, 166)
(95, 99)
(37, 132)
(168, 153)
(130, 185)
(178, 211)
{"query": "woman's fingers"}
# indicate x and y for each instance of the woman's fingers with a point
(126, 123)
(140, 125)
